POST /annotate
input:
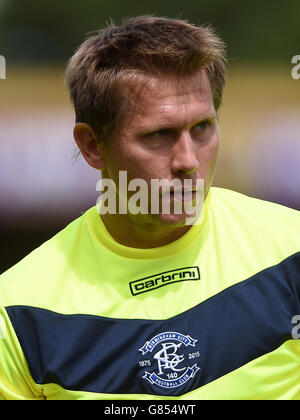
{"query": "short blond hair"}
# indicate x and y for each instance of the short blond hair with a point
(100, 69)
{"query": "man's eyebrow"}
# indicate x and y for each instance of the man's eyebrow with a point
(206, 117)
(170, 126)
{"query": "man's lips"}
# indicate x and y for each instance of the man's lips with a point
(180, 195)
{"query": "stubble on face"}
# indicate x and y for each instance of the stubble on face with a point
(159, 139)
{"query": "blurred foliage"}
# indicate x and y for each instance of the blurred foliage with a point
(34, 30)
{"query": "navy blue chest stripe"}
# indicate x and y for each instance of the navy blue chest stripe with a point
(107, 355)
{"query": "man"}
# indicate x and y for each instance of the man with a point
(147, 305)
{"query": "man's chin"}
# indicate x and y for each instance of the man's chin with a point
(175, 220)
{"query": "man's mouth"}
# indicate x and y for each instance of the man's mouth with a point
(180, 195)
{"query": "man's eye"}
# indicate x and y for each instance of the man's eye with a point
(159, 133)
(203, 125)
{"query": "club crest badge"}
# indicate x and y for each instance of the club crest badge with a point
(171, 357)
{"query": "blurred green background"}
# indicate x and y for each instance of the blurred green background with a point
(42, 188)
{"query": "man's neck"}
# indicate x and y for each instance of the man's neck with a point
(135, 233)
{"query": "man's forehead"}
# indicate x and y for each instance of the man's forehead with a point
(163, 92)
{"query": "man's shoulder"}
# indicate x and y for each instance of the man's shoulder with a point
(43, 266)
(260, 217)
(268, 231)
(252, 206)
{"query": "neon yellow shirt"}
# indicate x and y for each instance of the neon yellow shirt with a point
(212, 315)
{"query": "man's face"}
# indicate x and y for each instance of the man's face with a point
(172, 134)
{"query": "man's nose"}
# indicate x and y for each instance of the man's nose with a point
(184, 157)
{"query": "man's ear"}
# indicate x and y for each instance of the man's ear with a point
(86, 140)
